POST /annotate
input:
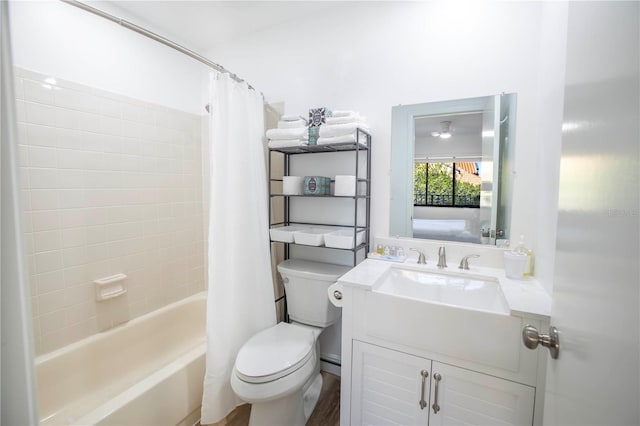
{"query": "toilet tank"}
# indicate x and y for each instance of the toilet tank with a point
(306, 284)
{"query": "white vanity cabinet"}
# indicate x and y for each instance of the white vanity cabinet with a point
(404, 351)
(392, 387)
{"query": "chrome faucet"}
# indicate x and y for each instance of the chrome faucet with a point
(421, 257)
(464, 263)
(442, 258)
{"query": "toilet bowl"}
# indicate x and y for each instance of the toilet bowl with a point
(278, 369)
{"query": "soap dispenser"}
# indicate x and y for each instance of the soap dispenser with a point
(521, 248)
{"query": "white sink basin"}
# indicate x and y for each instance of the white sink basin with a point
(460, 290)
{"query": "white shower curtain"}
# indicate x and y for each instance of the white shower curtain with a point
(19, 404)
(240, 297)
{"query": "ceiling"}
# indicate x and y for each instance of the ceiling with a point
(461, 124)
(202, 25)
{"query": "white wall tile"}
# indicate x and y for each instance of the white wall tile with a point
(74, 256)
(77, 100)
(47, 241)
(41, 156)
(48, 261)
(51, 341)
(76, 275)
(72, 159)
(41, 135)
(106, 192)
(92, 141)
(72, 198)
(53, 321)
(67, 118)
(71, 179)
(48, 281)
(38, 92)
(130, 146)
(73, 237)
(43, 178)
(40, 114)
(45, 220)
(96, 234)
(110, 107)
(89, 122)
(44, 199)
(110, 126)
(21, 111)
(73, 218)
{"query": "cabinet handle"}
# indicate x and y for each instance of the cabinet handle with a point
(422, 402)
(437, 377)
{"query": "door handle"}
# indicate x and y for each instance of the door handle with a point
(437, 377)
(531, 339)
(422, 402)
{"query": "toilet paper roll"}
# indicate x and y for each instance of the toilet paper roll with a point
(335, 294)
(292, 185)
(345, 185)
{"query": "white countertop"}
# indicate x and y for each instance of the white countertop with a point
(524, 297)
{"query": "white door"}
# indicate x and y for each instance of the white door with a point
(387, 387)
(596, 378)
(465, 397)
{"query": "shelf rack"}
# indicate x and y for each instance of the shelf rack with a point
(362, 144)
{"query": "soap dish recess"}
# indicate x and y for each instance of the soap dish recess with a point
(110, 287)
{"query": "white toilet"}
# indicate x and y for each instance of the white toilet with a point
(278, 369)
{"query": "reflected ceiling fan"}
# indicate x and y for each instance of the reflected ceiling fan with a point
(445, 130)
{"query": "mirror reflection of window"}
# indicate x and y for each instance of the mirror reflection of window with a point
(447, 184)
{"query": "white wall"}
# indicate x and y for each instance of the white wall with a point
(370, 56)
(54, 38)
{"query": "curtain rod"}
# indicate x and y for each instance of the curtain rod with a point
(138, 29)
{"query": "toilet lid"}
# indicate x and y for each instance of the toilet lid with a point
(274, 353)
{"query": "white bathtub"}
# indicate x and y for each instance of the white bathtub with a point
(146, 372)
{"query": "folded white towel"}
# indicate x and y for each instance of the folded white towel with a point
(291, 124)
(346, 119)
(350, 138)
(331, 130)
(286, 143)
(293, 133)
(291, 117)
(342, 113)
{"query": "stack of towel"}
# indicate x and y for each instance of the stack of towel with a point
(292, 131)
(342, 127)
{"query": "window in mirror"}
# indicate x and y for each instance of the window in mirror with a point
(447, 184)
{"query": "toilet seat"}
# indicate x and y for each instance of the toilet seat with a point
(274, 353)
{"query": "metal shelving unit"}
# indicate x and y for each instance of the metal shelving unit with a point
(362, 144)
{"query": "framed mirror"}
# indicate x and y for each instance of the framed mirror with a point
(451, 167)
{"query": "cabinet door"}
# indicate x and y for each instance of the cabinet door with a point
(467, 397)
(386, 387)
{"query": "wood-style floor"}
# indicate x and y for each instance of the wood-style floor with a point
(326, 413)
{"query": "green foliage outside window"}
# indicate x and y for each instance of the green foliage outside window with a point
(440, 187)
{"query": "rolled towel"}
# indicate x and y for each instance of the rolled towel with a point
(346, 119)
(350, 138)
(331, 130)
(286, 143)
(291, 124)
(342, 113)
(291, 118)
(293, 133)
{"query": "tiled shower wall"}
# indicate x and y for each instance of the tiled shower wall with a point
(110, 185)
